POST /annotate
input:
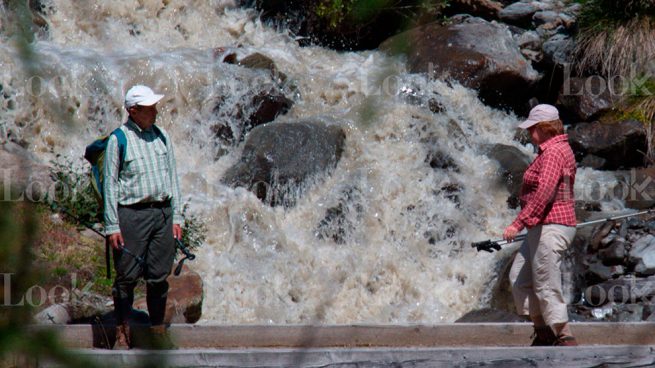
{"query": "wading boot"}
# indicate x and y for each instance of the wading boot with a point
(123, 338)
(543, 336)
(159, 338)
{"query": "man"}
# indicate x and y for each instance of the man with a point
(142, 214)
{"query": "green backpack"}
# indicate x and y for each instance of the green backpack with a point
(95, 154)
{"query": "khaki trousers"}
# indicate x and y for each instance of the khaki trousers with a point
(535, 275)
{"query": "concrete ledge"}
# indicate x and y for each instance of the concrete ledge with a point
(589, 356)
(390, 336)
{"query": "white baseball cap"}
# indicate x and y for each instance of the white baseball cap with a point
(540, 113)
(142, 96)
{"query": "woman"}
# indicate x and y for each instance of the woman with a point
(547, 211)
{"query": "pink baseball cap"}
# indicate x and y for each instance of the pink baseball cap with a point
(539, 113)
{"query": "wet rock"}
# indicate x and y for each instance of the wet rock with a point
(620, 144)
(625, 289)
(598, 272)
(263, 108)
(519, 14)
(513, 164)
(642, 255)
(547, 17)
(438, 159)
(637, 187)
(486, 9)
(584, 99)
(558, 51)
(257, 61)
(599, 235)
(278, 159)
(340, 220)
(185, 296)
(530, 40)
(474, 52)
(614, 254)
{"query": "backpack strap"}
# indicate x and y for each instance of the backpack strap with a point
(122, 145)
(159, 133)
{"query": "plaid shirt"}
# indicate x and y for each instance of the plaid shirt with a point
(547, 191)
(148, 174)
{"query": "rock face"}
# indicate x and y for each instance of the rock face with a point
(618, 144)
(476, 53)
(278, 158)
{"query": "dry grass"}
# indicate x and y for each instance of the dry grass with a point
(625, 50)
(646, 110)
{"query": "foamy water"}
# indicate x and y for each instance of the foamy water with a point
(406, 255)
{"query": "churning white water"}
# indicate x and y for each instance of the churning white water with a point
(406, 256)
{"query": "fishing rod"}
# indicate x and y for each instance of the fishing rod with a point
(491, 245)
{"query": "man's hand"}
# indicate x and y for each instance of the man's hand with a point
(510, 233)
(177, 231)
(116, 241)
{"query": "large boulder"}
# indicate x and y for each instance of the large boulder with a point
(474, 52)
(278, 159)
(185, 296)
(513, 164)
(584, 99)
(621, 145)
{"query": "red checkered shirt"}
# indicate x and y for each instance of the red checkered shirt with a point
(547, 191)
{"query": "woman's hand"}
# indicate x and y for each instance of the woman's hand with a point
(510, 233)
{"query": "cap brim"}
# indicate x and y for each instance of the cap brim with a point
(150, 101)
(528, 123)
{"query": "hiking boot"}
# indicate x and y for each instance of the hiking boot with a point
(123, 337)
(159, 338)
(565, 341)
(543, 336)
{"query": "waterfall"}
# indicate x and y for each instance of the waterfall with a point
(400, 251)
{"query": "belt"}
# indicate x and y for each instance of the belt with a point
(144, 205)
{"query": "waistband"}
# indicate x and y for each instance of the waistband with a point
(145, 205)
